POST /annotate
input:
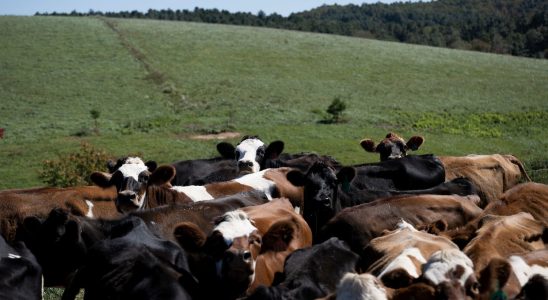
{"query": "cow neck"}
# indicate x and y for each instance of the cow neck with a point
(158, 195)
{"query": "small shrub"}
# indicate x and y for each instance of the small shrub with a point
(335, 112)
(73, 169)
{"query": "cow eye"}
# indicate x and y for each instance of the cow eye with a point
(238, 154)
(144, 178)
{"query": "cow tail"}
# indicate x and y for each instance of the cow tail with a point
(517, 162)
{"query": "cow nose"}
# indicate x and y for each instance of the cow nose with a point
(127, 196)
(395, 156)
(242, 164)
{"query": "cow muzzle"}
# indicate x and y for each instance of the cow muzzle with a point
(127, 201)
(246, 166)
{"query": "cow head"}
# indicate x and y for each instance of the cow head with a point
(320, 184)
(132, 177)
(251, 153)
(57, 244)
(363, 286)
(451, 270)
(235, 244)
(392, 146)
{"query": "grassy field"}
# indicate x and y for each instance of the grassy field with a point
(157, 83)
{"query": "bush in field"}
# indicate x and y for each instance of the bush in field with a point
(335, 112)
(73, 169)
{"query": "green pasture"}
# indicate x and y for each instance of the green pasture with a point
(157, 83)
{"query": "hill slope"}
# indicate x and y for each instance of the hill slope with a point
(155, 83)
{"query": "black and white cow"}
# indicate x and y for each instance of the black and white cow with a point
(248, 156)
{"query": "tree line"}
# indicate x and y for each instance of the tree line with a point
(516, 27)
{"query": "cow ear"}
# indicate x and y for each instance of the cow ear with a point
(226, 150)
(437, 227)
(397, 278)
(274, 150)
(297, 178)
(101, 179)
(72, 231)
(163, 174)
(215, 244)
(278, 237)
(189, 236)
(368, 145)
(111, 165)
(495, 275)
(414, 142)
(151, 165)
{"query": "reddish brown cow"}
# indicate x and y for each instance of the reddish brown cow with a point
(90, 201)
(359, 224)
(492, 174)
(392, 146)
(283, 232)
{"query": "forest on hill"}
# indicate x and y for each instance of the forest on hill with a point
(515, 27)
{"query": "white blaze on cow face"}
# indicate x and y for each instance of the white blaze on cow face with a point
(524, 271)
(258, 182)
(406, 261)
(235, 224)
(90, 210)
(444, 262)
(194, 192)
(133, 167)
(360, 287)
(248, 152)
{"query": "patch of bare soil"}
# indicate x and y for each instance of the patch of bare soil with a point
(217, 136)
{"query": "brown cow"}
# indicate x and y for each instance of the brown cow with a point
(392, 146)
(492, 174)
(283, 232)
(359, 224)
(527, 197)
(90, 201)
(405, 254)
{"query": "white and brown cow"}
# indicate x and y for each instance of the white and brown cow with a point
(154, 189)
(498, 238)
(401, 256)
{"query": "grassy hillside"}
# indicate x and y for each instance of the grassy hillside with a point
(157, 83)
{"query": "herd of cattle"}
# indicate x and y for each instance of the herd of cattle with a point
(257, 223)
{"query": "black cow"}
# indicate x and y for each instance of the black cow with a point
(246, 157)
(392, 146)
(327, 191)
(61, 241)
(20, 273)
(133, 264)
(311, 273)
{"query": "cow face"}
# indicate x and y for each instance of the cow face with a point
(132, 177)
(451, 268)
(235, 244)
(251, 154)
(320, 184)
(392, 146)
